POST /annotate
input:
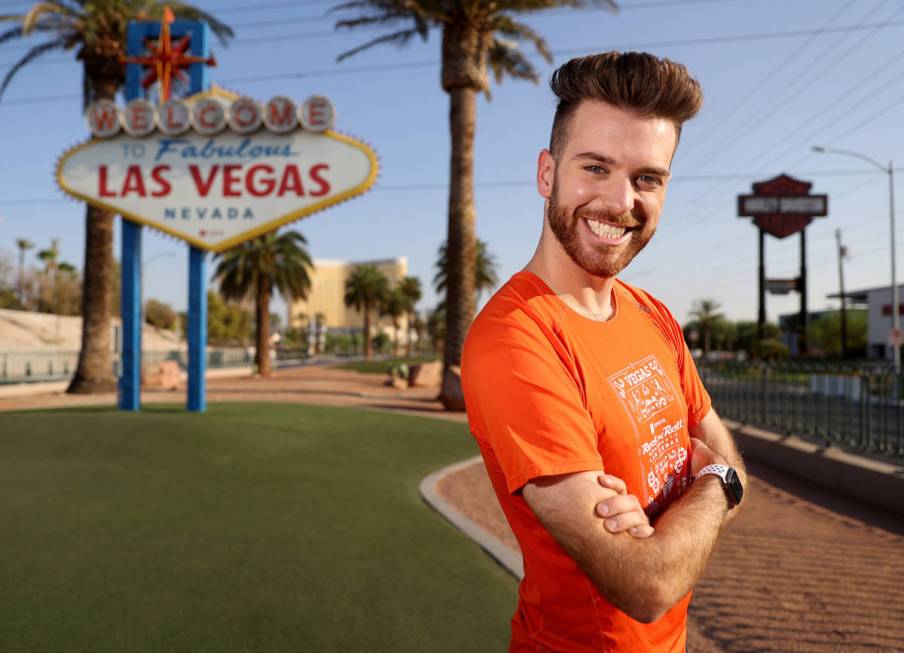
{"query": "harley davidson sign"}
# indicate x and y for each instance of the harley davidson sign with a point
(213, 172)
(782, 206)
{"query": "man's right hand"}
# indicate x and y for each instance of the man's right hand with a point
(623, 511)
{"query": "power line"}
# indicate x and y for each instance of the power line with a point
(776, 102)
(288, 20)
(568, 51)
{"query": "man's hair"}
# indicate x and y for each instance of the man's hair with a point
(634, 81)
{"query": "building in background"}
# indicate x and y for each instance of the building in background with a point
(326, 298)
(877, 302)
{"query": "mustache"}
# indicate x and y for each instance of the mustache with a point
(626, 220)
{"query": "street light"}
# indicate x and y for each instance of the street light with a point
(890, 171)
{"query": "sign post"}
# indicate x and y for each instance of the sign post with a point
(781, 207)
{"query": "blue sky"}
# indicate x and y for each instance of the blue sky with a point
(778, 75)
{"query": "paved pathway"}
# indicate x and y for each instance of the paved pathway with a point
(802, 570)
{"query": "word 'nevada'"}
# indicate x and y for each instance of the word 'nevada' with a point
(209, 116)
(259, 180)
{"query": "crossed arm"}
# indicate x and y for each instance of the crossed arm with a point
(643, 577)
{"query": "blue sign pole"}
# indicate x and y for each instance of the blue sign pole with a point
(197, 329)
(130, 262)
(130, 379)
(197, 259)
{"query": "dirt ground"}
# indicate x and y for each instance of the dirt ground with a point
(802, 570)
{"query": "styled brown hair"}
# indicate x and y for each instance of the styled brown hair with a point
(634, 81)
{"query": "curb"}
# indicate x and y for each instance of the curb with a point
(875, 482)
(504, 555)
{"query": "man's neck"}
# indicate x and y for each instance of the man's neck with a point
(586, 294)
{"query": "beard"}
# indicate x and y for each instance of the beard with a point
(599, 261)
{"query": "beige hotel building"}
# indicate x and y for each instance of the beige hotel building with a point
(327, 292)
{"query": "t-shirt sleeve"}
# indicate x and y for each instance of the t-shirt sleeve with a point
(525, 403)
(695, 394)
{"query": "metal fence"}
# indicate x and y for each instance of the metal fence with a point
(35, 366)
(857, 408)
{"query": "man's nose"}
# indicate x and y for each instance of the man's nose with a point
(618, 195)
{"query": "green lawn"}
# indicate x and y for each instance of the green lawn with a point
(254, 527)
(384, 365)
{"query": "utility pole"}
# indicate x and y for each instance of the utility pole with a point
(842, 254)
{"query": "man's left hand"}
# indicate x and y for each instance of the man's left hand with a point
(622, 512)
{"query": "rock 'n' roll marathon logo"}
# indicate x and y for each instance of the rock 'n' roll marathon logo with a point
(216, 168)
(646, 393)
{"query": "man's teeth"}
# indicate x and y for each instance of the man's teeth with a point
(606, 230)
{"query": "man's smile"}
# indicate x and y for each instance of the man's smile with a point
(607, 233)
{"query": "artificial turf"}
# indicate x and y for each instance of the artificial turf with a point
(253, 527)
(384, 365)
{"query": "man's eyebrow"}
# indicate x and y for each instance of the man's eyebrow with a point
(608, 160)
(596, 156)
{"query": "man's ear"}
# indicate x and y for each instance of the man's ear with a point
(546, 172)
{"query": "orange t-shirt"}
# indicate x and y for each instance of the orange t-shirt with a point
(549, 391)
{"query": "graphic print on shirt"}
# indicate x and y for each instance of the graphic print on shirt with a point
(646, 392)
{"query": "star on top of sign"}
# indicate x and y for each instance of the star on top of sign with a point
(166, 60)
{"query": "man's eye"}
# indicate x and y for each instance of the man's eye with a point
(595, 169)
(649, 180)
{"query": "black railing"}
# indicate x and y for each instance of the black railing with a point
(856, 408)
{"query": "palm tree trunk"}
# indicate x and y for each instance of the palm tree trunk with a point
(410, 326)
(20, 279)
(460, 255)
(94, 372)
(262, 307)
(463, 75)
(367, 343)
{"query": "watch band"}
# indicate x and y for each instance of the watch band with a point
(719, 470)
(730, 482)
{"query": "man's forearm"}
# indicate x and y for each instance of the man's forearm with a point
(658, 571)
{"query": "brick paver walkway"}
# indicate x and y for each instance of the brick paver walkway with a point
(801, 570)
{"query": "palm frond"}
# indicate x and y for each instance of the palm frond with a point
(528, 6)
(11, 33)
(400, 38)
(519, 31)
(41, 9)
(31, 55)
(220, 29)
(506, 59)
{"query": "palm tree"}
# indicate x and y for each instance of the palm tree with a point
(50, 256)
(410, 287)
(96, 31)
(394, 306)
(476, 36)
(485, 266)
(24, 245)
(706, 313)
(257, 268)
(365, 289)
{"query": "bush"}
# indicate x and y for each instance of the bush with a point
(160, 315)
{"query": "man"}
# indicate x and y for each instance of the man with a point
(581, 393)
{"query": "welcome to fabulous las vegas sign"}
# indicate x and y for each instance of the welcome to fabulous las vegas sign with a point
(216, 169)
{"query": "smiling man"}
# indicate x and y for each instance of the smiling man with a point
(608, 460)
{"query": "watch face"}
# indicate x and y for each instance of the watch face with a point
(733, 486)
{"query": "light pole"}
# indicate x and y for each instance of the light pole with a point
(890, 171)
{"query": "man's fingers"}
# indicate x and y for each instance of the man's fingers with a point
(640, 532)
(627, 522)
(613, 483)
(618, 504)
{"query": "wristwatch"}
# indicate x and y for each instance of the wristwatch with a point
(730, 482)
